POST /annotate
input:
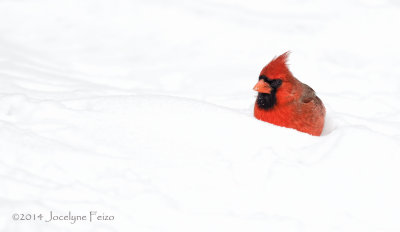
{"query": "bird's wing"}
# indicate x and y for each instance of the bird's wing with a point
(308, 94)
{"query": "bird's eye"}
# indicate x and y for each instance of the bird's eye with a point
(276, 83)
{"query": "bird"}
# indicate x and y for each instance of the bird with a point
(285, 101)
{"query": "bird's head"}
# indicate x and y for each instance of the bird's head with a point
(273, 78)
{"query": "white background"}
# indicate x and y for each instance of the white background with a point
(143, 110)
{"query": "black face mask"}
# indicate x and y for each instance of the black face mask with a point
(268, 100)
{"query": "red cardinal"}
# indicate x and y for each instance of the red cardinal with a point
(285, 101)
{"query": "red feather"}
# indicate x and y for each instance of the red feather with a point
(277, 68)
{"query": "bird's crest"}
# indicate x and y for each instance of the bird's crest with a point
(277, 68)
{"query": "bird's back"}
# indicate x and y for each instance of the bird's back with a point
(310, 112)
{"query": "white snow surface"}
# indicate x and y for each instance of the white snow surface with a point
(142, 110)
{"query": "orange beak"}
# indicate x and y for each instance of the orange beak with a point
(262, 87)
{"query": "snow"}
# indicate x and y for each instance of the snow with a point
(142, 110)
